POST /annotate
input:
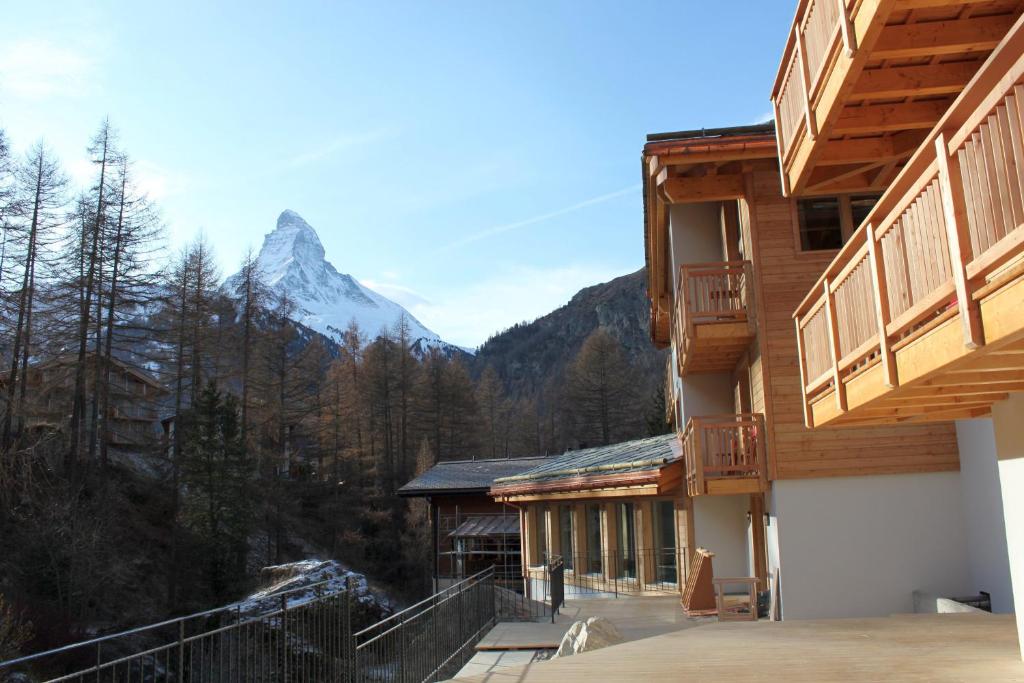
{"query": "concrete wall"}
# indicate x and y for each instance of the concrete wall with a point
(720, 525)
(1008, 422)
(987, 558)
(860, 546)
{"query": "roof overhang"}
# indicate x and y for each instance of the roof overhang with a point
(651, 482)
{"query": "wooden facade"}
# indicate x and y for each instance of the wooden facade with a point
(918, 318)
(766, 376)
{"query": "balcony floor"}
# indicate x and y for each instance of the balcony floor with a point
(925, 647)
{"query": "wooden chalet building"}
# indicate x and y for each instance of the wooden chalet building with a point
(878, 450)
(136, 399)
(470, 531)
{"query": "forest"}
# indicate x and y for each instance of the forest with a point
(164, 436)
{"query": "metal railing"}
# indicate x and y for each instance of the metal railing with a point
(307, 636)
(430, 640)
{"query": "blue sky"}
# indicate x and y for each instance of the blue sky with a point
(476, 161)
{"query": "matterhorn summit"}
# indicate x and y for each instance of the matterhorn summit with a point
(292, 260)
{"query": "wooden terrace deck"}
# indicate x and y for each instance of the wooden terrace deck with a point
(925, 647)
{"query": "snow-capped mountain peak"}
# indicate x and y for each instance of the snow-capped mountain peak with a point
(293, 260)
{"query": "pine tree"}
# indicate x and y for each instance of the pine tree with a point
(215, 478)
(601, 391)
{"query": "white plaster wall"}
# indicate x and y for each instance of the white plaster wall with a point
(720, 525)
(706, 394)
(860, 546)
(1008, 422)
(695, 234)
(987, 558)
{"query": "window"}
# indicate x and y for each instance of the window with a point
(594, 565)
(665, 555)
(827, 222)
(820, 223)
(627, 540)
(860, 207)
(565, 535)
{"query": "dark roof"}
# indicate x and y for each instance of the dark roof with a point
(466, 476)
(630, 456)
(766, 128)
(488, 525)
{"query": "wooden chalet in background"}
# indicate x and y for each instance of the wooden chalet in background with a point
(469, 530)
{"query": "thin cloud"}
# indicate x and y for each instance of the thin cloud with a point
(499, 229)
(338, 144)
(34, 68)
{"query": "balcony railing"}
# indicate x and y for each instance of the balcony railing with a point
(725, 454)
(714, 320)
(941, 242)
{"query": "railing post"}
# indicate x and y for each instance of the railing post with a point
(284, 638)
(847, 29)
(958, 240)
(801, 360)
(181, 651)
(833, 339)
(698, 453)
(805, 78)
(882, 314)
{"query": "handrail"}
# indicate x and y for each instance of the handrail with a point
(951, 217)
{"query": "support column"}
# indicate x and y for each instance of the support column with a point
(1009, 431)
(759, 556)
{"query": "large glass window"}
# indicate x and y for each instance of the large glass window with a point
(821, 225)
(666, 556)
(565, 535)
(627, 540)
(593, 515)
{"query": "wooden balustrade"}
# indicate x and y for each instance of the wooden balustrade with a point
(713, 295)
(725, 454)
(938, 240)
(821, 26)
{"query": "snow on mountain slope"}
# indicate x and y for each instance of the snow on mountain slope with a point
(292, 260)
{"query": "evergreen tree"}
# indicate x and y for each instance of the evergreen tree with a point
(215, 479)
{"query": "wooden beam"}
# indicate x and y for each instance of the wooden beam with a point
(958, 378)
(830, 175)
(908, 81)
(882, 118)
(706, 189)
(928, 39)
(882, 314)
(944, 400)
(906, 5)
(868, 150)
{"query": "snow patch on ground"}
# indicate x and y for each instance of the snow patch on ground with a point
(302, 582)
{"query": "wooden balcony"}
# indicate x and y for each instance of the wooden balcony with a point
(863, 81)
(921, 316)
(714, 320)
(725, 455)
